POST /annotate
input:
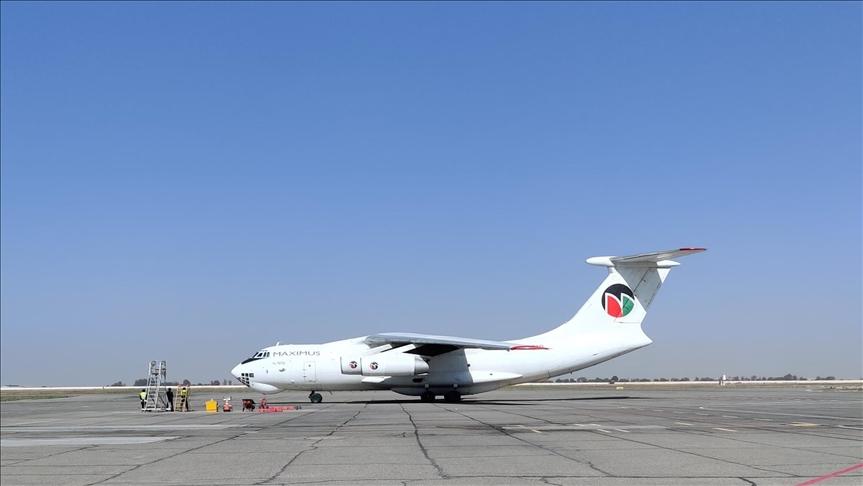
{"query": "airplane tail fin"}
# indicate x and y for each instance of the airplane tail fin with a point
(623, 298)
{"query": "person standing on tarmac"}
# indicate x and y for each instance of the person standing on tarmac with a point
(143, 397)
(170, 395)
(184, 397)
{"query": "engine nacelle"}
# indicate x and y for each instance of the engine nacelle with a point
(351, 365)
(396, 364)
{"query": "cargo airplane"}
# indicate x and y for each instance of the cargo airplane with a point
(607, 325)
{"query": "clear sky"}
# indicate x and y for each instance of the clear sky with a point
(192, 182)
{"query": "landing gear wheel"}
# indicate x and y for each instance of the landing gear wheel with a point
(427, 397)
(316, 397)
(452, 396)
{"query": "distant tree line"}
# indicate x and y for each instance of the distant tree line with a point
(142, 382)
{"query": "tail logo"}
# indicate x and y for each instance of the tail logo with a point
(618, 300)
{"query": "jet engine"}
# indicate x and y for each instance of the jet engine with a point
(385, 364)
(351, 365)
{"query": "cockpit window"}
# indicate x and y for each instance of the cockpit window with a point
(258, 355)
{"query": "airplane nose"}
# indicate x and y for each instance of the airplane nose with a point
(236, 371)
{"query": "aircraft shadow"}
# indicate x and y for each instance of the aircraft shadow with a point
(469, 401)
(521, 401)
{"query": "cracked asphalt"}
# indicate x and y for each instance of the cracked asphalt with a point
(561, 436)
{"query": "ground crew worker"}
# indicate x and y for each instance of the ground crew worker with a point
(184, 404)
(170, 395)
(143, 397)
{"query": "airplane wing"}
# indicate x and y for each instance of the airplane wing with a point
(441, 342)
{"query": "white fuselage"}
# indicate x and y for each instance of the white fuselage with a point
(320, 367)
(607, 325)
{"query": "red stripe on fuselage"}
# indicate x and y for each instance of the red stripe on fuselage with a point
(527, 347)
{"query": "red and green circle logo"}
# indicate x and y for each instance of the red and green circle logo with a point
(618, 300)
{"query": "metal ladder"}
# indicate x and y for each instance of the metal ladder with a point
(156, 400)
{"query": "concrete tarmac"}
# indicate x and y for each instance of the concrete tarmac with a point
(564, 436)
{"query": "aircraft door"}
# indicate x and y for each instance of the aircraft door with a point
(309, 372)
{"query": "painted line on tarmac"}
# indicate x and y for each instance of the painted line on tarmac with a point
(832, 475)
(75, 428)
(74, 441)
(777, 413)
(584, 427)
(33, 422)
(723, 429)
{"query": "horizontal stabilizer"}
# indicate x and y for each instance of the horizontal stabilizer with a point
(658, 258)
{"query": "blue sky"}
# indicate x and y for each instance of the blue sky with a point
(191, 182)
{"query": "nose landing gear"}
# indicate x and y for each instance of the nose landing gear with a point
(315, 397)
(452, 396)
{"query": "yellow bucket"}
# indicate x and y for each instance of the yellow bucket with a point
(212, 405)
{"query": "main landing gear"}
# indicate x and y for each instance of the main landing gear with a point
(427, 397)
(316, 397)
